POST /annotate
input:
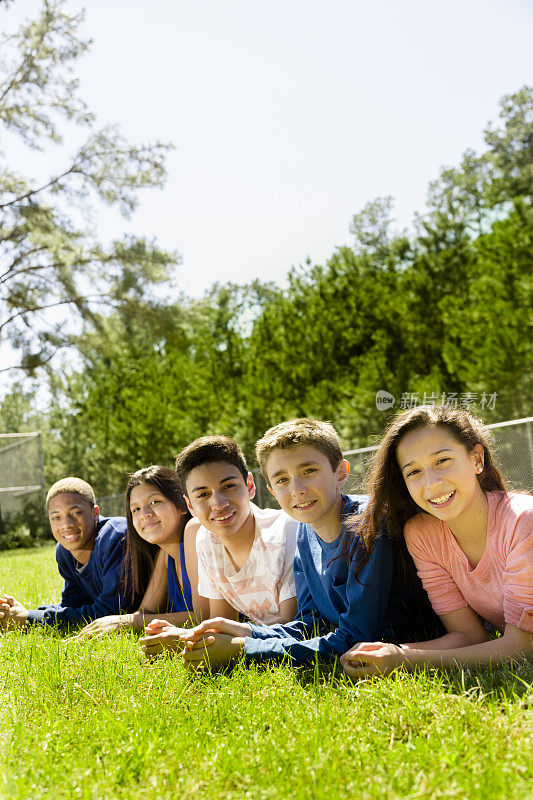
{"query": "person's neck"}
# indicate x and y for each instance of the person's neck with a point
(329, 527)
(239, 545)
(172, 547)
(83, 556)
(470, 528)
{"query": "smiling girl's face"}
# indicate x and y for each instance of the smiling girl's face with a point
(155, 518)
(439, 472)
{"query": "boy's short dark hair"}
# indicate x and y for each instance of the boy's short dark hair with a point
(304, 430)
(72, 486)
(209, 449)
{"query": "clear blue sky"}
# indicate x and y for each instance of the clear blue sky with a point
(288, 116)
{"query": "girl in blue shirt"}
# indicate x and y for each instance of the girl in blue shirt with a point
(161, 565)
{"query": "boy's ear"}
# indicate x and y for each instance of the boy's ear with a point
(269, 487)
(189, 506)
(96, 512)
(343, 470)
(250, 485)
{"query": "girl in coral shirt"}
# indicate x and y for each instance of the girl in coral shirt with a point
(442, 497)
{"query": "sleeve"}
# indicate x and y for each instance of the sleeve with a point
(206, 585)
(518, 576)
(76, 605)
(444, 594)
(367, 598)
(287, 582)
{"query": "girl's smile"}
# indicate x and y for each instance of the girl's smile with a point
(443, 500)
(156, 519)
(440, 473)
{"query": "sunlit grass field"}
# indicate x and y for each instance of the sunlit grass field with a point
(94, 720)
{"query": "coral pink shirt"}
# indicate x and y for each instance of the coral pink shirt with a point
(500, 588)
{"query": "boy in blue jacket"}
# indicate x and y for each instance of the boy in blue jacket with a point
(89, 554)
(344, 594)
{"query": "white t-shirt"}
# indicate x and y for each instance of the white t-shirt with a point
(264, 581)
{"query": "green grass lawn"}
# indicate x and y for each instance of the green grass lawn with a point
(95, 720)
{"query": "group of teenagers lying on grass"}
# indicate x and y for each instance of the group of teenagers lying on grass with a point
(427, 569)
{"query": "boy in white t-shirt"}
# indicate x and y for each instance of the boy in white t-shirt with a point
(245, 554)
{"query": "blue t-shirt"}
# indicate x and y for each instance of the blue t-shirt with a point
(93, 590)
(178, 600)
(336, 609)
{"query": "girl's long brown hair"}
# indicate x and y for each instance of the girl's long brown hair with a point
(140, 556)
(390, 502)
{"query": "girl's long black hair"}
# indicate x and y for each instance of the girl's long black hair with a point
(140, 555)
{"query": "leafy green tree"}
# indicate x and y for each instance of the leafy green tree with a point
(49, 257)
(17, 410)
(324, 348)
(510, 153)
(490, 347)
(152, 379)
(444, 310)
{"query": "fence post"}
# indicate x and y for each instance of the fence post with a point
(43, 487)
(530, 442)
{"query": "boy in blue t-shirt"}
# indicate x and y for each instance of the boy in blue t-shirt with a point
(89, 553)
(344, 594)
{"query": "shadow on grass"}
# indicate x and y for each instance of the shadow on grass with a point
(512, 680)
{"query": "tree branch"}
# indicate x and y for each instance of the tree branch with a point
(102, 300)
(11, 80)
(41, 188)
(80, 262)
(11, 272)
(42, 364)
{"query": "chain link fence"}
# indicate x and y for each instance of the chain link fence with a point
(21, 470)
(512, 447)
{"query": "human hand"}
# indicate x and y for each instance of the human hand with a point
(215, 650)
(372, 658)
(103, 626)
(161, 635)
(204, 631)
(12, 613)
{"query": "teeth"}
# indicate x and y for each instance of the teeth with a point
(439, 500)
(305, 505)
(221, 519)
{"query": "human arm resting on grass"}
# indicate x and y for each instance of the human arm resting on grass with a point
(162, 634)
(465, 643)
(347, 604)
(354, 606)
(12, 613)
(218, 639)
(499, 585)
(92, 590)
(155, 599)
(157, 593)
